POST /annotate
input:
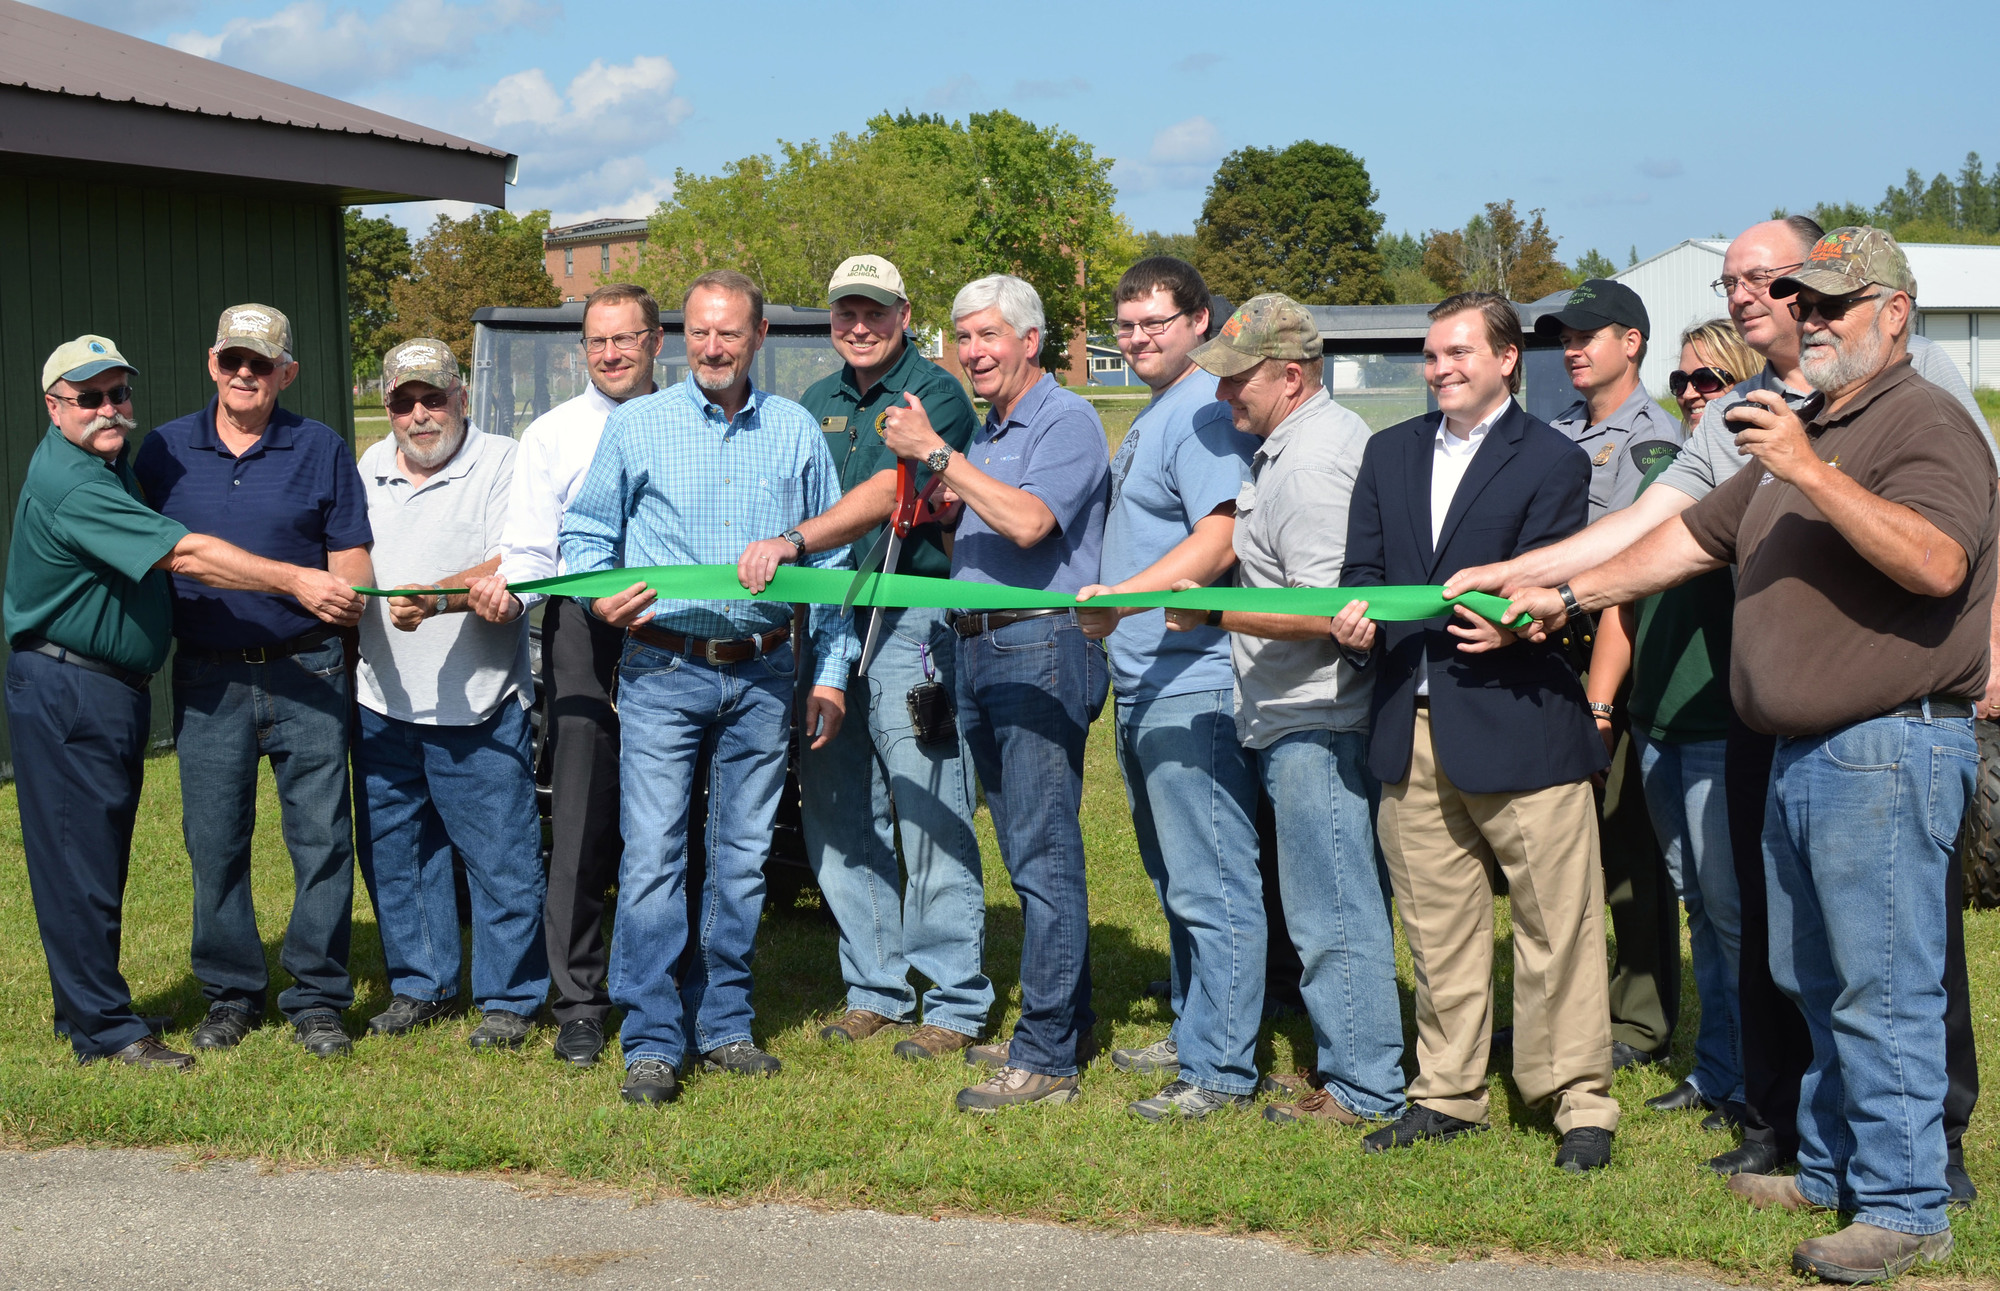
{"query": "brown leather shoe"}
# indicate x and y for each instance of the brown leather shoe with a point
(995, 1055)
(1770, 1192)
(1313, 1105)
(855, 1025)
(1012, 1087)
(928, 1042)
(1862, 1252)
(147, 1052)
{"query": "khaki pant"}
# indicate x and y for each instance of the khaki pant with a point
(1440, 844)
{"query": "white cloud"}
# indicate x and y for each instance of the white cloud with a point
(1183, 155)
(306, 44)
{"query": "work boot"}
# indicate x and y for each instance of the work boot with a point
(855, 1025)
(1770, 1191)
(1184, 1101)
(1862, 1252)
(321, 1034)
(1160, 1058)
(500, 1029)
(741, 1058)
(1587, 1147)
(1313, 1105)
(146, 1052)
(223, 1028)
(1013, 1087)
(650, 1082)
(995, 1055)
(928, 1042)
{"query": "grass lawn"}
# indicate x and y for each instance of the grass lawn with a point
(853, 1126)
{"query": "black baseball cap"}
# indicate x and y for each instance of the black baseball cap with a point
(1598, 302)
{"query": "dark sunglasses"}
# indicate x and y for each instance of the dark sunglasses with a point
(234, 361)
(115, 396)
(1831, 308)
(1706, 381)
(403, 405)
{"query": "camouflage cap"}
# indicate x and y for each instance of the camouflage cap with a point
(1848, 260)
(1270, 326)
(257, 328)
(425, 359)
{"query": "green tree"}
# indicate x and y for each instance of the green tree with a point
(378, 257)
(1943, 210)
(1300, 220)
(1403, 270)
(1593, 264)
(1181, 246)
(489, 258)
(1495, 251)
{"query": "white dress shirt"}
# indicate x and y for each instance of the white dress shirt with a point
(556, 451)
(1451, 457)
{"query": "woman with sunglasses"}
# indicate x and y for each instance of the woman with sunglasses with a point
(1714, 357)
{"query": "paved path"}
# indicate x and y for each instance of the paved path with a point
(76, 1218)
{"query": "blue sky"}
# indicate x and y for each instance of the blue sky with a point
(1633, 124)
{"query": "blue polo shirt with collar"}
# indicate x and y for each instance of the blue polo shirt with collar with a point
(293, 496)
(1051, 445)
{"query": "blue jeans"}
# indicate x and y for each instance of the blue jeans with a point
(427, 790)
(1684, 795)
(227, 715)
(872, 783)
(1336, 898)
(669, 706)
(1027, 694)
(1193, 791)
(1858, 833)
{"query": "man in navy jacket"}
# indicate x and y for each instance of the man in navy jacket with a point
(1484, 746)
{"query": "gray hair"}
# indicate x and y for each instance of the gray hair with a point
(1019, 303)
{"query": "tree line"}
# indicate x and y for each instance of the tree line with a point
(949, 201)
(1964, 209)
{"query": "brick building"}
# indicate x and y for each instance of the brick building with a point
(582, 256)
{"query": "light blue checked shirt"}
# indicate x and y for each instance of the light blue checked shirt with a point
(674, 483)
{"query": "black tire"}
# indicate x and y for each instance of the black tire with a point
(1979, 835)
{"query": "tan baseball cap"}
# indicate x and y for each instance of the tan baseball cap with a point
(869, 276)
(1270, 326)
(1847, 260)
(257, 328)
(425, 359)
(82, 359)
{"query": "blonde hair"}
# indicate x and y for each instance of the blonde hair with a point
(1720, 345)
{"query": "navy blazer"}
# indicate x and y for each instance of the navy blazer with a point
(1511, 720)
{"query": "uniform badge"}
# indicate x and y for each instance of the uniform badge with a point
(833, 425)
(1650, 454)
(882, 423)
(1604, 455)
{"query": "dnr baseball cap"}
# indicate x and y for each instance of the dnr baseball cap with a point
(1270, 326)
(1848, 260)
(869, 276)
(257, 328)
(82, 359)
(1598, 302)
(425, 359)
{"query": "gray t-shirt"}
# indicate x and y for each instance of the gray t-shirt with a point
(1623, 447)
(1291, 531)
(457, 669)
(1710, 455)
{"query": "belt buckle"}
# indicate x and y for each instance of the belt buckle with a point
(709, 651)
(256, 654)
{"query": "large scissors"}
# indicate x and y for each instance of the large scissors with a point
(912, 509)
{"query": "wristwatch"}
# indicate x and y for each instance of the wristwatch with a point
(1602, 710)
(1570, 607)
(939, 458)
(442, 599)
(798, 540)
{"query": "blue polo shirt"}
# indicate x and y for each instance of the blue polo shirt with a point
(1052, 445)
(293, 496)
(1181, 460)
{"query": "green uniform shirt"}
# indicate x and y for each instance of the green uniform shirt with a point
(80, 570)
(852, 426)
(1680, 655)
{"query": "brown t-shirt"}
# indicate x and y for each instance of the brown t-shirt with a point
(1823, 638)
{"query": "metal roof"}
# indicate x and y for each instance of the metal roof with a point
(591, 230)
(1407, 323)
(40, 50)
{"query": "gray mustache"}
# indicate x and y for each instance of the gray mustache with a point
(106, 421)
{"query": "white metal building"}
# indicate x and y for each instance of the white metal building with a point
(1958, 302)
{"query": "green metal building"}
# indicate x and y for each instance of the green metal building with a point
(143, 190)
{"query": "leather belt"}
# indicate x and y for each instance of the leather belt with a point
(63, 654)
(972, 625)
(1941, 706)
(263, 654)
(712, 651)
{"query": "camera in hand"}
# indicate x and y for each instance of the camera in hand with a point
(1806, 406)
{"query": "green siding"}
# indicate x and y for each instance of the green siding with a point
(151, 268)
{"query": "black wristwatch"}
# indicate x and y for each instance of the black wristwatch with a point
(1570, 607)
(798, 540)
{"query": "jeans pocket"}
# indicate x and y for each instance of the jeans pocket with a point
(1954, 776)
(1027, 634)
(1874, 745)
(642, 660)
(782, 663)
(322, 660)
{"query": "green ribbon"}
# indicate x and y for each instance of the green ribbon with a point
(810, 586)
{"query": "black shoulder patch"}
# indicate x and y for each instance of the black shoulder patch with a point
(1652, 453)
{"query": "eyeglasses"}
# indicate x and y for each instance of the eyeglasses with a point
(1150, 326)
(1831, 308)
(115, 396)
(1756, 280)
(403, 405)
(626, 341)
(1706, 381)
(233, 361)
